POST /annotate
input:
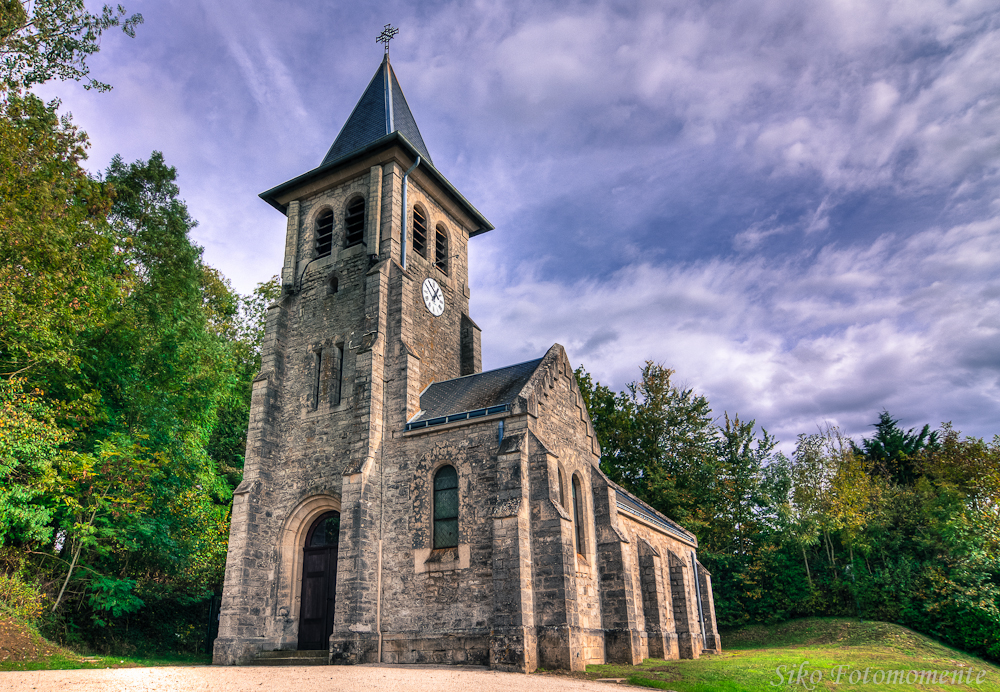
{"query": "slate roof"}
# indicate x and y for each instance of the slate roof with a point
(381, 110)
(632, 505)
(474, 392)
(380, 120)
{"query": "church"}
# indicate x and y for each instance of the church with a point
(400, 505)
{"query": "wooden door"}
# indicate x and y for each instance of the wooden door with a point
(319, 582)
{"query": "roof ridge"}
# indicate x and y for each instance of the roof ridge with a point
(484, 372)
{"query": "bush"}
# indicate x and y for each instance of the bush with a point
(20, 599)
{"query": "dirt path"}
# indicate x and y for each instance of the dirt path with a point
(293, 679)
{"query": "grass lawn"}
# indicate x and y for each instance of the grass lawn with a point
(752, 658)
(71, 661)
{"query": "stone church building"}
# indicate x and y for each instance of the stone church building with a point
(399, 504)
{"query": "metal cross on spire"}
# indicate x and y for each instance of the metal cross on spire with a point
(388, 31)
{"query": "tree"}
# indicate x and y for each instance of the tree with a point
(893, 451)
(119, 352)
(245, 330)
(52, 39)
(656, 440)
(904, 526)
(30, 451)
(747, 492)
(59, 270)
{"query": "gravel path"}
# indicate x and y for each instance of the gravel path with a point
(294, 679)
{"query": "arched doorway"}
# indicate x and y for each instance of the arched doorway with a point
(319, 582)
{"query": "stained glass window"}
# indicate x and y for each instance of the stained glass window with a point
(446, 508)
(578, 515)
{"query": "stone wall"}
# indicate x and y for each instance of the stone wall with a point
(438, 603)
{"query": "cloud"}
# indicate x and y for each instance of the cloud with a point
(793, 204)
(904, 323)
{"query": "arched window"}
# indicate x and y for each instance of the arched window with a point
(325, 532)
(354, 222)
(446, 508)
(441, 249)
(324, 233)
(578, 515)
(562, 489)
(419, 232)
(333, 285)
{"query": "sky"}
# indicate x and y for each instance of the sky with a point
(794, 205)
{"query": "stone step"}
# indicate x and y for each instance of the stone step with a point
(292, 658)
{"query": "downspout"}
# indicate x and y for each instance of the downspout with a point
(378, 585)
(390, 128)
(402, 222)
(697, 592)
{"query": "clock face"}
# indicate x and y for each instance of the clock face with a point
(433, 297)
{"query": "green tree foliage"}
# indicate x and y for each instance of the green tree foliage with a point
(903, 526)
(119, 349)
(146, 506)
(58, 269)
(52, 39)
(125, 367)
(244, 331)
(893, 451)
(657, 441)
(30, 451)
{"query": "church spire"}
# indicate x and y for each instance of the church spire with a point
(381, 110)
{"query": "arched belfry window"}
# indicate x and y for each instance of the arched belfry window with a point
(324, 233)
(446, 508)
(354, 222)
(578, 515)
(441, 249)
(419, 232)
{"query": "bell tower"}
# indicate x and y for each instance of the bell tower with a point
(374, 308)
(377, 204)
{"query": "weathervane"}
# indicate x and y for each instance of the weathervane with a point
(388, 31)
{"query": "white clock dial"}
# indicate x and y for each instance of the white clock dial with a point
(433, 297)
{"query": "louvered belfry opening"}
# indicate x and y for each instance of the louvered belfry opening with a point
(324, 234)
(419, 232)
(441, 249)
(354, 223)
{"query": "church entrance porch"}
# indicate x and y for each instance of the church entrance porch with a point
(319, 582)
